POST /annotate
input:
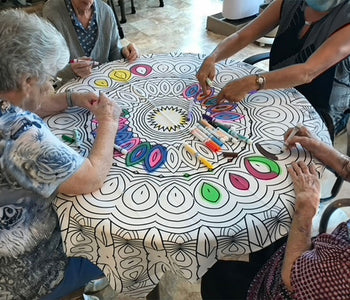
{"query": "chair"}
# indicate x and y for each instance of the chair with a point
(133, 10)
(327, 120)
(329, 210)
(120, 29)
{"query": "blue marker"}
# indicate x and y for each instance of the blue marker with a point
(234, 133)
(210, 135)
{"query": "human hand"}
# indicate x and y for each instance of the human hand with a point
(130, 52)
(234, 91)
(106, 110)
(304, 137)
(307, 188)
(205, 72)
(86, 100)
(82, 67)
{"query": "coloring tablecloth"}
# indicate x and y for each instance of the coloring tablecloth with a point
(160, 208)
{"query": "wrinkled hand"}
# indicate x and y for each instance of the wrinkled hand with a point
(307, 188)
(106, 110)
(234, 91)
(206, 71)
(82, 68)
(130, 52)
(86, 100)
(304, 138)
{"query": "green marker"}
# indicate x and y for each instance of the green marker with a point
(67, 138)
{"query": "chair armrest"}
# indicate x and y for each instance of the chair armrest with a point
(329, 210)
(256, 58)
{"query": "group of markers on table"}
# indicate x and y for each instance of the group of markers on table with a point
(214, 135)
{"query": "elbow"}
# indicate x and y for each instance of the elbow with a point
(307, 75)
(79, 187)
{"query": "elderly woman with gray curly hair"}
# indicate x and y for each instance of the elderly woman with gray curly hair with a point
(36, 165)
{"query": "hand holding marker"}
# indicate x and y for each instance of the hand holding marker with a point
(294, 131)
(86, 59)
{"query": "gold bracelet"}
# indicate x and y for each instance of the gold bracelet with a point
(69, 98)
(261, 81)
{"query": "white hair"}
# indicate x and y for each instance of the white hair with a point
(29, 47)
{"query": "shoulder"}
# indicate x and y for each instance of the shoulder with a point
(53, 8)
(103, 9)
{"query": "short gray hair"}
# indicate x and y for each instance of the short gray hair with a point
(29, 47)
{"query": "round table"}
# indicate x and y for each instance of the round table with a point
(160, 208)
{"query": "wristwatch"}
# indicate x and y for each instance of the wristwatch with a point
(261, 81)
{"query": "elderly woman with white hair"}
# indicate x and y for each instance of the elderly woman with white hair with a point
(36, 165)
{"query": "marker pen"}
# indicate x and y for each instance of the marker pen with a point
(67, 138)
(209, 82)
(200, 157)
(222, 137)
(77, 137)
(230, 154)
(92, 62)
(295, 130)
(190, 109)
(120, 149)
(229, 136)
(210, 135)
(235, 134)
(205, 140)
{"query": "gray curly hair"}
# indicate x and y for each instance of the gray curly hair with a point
(29, 47)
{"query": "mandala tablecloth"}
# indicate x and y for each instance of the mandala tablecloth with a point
(160, 209)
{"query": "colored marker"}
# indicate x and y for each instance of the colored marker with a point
(235, 134)
(230, 154)
(78, 60)
(77, 137)
(210, 135)
(190, 109)
(230, 137)
(68, 138)
(222, 137)
(200, 157)
(120, 149)
(205, 140)
(209, 82)
(295, 130)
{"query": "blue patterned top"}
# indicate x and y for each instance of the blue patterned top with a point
(87, 37)
(33, 164)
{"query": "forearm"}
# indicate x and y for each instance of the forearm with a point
(101, 155)
(331, 157)
(94, 171)
(299, 241)
(53, 104)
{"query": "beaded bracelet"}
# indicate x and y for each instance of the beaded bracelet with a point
(69, 98)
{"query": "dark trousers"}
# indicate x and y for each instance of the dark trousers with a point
(78, 273)
(231, 279)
